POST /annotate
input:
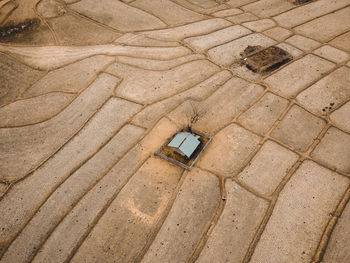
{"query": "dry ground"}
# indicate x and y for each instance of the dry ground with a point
(89, 90)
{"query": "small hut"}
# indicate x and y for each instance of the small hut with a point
(184, 143)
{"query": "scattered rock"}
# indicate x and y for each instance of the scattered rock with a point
(10, 31)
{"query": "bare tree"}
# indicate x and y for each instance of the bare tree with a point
(195, 112)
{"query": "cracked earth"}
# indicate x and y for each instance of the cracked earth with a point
(90, 90)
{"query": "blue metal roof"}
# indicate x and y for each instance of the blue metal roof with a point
(178, 139)
(189, 146)
(185, 142)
